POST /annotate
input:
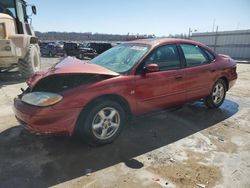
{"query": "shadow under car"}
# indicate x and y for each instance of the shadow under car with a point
(28, 160)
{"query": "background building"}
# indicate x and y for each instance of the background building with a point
(233, 43)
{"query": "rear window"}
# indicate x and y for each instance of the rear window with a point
(194, 55)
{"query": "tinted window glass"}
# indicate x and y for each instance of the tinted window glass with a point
(166, 57)
(20, 11)
(8, 7)
(194, 55)
(211, 56)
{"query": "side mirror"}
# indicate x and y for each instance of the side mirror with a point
(152, 68)
(33, 7)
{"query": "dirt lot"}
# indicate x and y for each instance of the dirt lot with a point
(191, 147)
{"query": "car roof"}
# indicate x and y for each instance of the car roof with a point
(160, 41)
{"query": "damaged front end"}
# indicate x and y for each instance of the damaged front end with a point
(59, 83)
(48, 91)
(68, 74)
(54, 99)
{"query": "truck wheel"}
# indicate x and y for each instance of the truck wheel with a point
(101, 123)
(31, 62)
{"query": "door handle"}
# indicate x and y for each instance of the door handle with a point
(212, 70)
(178, 77)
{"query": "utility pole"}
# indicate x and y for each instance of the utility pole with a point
(213, 25)
(216, 38)
(189, 33)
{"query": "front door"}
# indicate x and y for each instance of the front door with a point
(165, 88)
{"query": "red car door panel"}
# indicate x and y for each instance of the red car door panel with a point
(165, 88)
(199, 81)
(160, 90)
(199, 72)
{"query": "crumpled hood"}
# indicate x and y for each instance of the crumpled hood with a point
(70, 65)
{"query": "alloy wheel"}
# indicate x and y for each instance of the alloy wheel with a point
(218, 93)
(105, 123)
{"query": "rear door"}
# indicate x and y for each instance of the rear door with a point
(165, 88)
(199, 70)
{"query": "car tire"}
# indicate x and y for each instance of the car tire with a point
(101, 123)
(31, 62)
(217, 95)
(50, 54)
(81, 56)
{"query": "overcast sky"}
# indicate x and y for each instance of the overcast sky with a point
(159, 17)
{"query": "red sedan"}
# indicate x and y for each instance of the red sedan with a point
(96, 98)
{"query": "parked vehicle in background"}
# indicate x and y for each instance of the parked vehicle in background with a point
(52, 50)
(79, 50)
(42, 44)
(18, 43)
(95, 99)
(99, 47)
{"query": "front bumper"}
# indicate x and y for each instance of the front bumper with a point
(46, 120)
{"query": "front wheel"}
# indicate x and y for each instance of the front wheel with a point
(101, 123)
(217, 96)
(31, 62)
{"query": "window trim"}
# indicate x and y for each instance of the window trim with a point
(139, 70)
(202, 52)
(206, 51)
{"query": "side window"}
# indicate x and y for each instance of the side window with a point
(11, 11)
(210, 55)
(8, 7)
(194, 55)
(166, 57)
(21, 12)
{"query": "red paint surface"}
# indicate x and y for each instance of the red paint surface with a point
(143, 93)
(70, 65)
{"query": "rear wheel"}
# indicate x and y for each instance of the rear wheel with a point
(217, 96)
(31, 62)
(101, 123)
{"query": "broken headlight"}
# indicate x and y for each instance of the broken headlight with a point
(41, 98)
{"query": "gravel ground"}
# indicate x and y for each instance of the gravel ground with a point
(191, 147)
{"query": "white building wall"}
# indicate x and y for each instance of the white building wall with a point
(233, 43)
